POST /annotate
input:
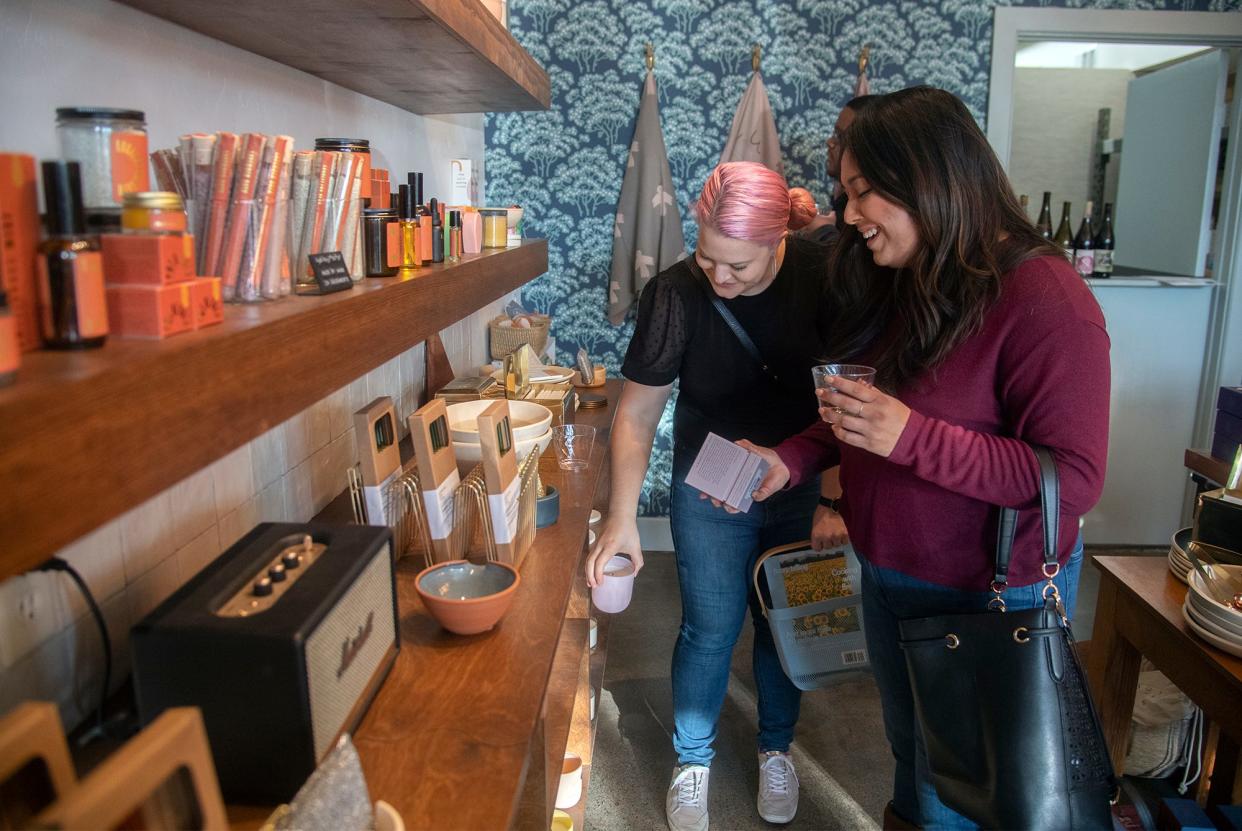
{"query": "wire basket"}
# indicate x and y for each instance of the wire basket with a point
(406, 516)
(528, 495)
(507, 339)
(814, 609)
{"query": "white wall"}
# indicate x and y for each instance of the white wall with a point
(1054, 118)
(95, 52)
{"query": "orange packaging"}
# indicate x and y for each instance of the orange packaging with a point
(129, 163)
(206, 306)
(393, 232)
(150, 311)
(147, 259)
(19, 235)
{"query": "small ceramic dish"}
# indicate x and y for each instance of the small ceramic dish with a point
(467, 598)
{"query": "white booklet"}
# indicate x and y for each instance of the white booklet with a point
(727, 471)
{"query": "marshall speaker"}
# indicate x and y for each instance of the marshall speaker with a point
(282, 642)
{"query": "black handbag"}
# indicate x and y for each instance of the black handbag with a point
(1012, 736)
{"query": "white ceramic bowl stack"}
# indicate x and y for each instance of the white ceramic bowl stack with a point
(1216, 623)
(531, 424)
(1179, 560)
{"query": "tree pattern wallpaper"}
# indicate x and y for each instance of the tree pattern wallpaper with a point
(564, 165)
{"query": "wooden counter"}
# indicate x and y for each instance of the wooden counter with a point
(464, 731)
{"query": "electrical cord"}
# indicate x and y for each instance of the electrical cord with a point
(57, 564)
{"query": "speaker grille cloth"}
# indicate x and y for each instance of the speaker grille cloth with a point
(331, 698)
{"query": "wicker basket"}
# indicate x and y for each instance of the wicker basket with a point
(507, 339)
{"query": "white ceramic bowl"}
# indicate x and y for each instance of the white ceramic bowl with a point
(528, 420)
(1207, 605)
(468, 455)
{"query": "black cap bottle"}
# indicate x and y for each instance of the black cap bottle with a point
(437, 233)
(409, 229)
(73, 311)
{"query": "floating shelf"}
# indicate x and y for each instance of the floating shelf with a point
(425, 56)
(85, 436)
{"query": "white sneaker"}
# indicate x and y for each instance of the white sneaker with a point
(685, 806)
(778, 787)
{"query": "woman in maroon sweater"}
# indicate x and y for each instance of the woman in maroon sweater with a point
(986, 342)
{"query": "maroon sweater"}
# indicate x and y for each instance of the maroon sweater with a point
(1037, 372)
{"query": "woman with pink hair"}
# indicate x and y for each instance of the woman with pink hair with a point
(746, 266)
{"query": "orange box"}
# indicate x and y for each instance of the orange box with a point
(206, 306)
(150, 311)
(147, 259)
(19, 235)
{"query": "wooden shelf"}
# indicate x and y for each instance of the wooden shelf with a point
(425, 56)
(84, 436)
(1206, 465)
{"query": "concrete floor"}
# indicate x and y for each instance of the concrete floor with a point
(840, 753)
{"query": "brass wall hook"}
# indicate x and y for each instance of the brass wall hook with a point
(650, 50)
(756, 57)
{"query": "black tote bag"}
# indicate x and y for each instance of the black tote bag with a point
(1012, 736)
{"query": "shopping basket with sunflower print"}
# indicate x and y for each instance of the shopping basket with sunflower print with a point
(814, 607)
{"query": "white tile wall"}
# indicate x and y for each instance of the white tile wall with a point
(49, 646)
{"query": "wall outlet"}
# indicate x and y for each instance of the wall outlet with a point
(32, 610)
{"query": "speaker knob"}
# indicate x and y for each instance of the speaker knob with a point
(277, 573)
(262, 587)
(290, 559)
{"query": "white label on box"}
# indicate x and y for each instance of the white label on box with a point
(439, 506)
(376, 501)
(504, 507)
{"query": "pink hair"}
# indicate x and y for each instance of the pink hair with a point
(746, 201)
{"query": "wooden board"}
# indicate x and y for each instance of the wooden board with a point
(425, 56)
(84, 436)
(1206, 465)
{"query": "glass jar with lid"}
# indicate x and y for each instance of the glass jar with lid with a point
(153, 212)
(111, 147)
(352, 145)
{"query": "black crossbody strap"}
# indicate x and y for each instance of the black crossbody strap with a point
(733, 324)
(1050, 510)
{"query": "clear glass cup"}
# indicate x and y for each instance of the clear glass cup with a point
(826, 373)
(573, 443)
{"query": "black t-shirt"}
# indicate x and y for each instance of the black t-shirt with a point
(723, 388)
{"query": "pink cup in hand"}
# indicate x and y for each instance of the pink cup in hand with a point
(614, 591)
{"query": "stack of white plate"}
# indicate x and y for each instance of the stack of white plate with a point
(530, 423)
(1216, 623)
(1179, 560)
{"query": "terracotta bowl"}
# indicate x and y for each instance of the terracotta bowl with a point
(467, 598)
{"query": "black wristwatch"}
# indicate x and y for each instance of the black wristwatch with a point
(831, 504)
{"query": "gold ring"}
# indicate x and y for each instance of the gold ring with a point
(859, 413)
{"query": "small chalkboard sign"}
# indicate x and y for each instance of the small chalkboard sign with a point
(331, 273)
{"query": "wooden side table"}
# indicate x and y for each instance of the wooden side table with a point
(1139, 614)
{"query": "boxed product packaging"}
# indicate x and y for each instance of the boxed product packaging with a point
(1227, 433)
(437, 472)
(375, 426)
(500, 471)
(147, 259)
(1182, 815)
(205, 302)
(19, 236)
(149, 311)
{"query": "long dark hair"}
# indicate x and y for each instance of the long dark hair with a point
(921, 149)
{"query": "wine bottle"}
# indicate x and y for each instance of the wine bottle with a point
(1044, 225)
(1084, 246)
(1104, 245)
(1064, 236)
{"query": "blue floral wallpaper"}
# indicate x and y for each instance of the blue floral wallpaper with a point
(564, 165)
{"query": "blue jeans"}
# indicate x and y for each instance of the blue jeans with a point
(888, 597)
(716, 553)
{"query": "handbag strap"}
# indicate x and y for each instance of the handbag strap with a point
(1050, 512)
(732, 322)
